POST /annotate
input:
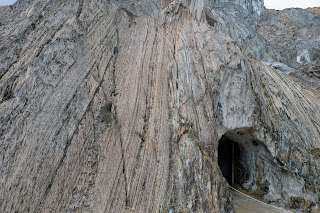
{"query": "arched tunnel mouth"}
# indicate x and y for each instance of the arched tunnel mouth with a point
(242, 160)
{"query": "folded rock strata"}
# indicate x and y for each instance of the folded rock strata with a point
(119, 106)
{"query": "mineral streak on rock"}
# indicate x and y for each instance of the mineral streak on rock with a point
(119, 106)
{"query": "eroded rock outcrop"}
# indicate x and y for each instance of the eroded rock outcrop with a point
(119, 106)
(295, 33)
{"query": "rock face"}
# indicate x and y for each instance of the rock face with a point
(295, 33)
(119, 106)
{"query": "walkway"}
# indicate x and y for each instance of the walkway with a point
(243, 204)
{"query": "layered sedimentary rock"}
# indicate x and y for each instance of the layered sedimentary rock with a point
(119, 106)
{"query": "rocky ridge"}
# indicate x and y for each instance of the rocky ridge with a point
(119, 106)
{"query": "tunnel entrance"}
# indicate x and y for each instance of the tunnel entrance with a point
(227, 152)
(243, 161)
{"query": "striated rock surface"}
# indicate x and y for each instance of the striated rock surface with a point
(120, 106)
(296, 33)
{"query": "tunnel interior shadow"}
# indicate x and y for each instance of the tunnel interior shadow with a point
(242, 158)
(228, 155)
(247, 163)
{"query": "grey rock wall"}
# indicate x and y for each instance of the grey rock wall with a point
(119, 106)
(295, 33)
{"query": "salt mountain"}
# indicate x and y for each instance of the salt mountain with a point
(119, 105)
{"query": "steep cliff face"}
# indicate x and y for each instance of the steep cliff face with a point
(119, 106)
(296, 33)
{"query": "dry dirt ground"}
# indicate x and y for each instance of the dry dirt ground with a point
(315, 10)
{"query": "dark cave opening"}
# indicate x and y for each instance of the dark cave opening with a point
(242, 159)
(228, 154)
